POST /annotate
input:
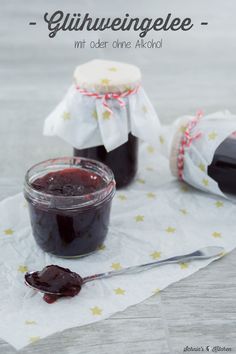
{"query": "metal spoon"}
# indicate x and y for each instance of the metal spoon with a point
(204, 253)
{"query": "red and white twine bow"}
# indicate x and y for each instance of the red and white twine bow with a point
(109, 96)
(186, 142)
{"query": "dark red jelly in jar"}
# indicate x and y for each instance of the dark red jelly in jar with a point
(69, 203)
(55, 282)
(123, 160)
(223, 166)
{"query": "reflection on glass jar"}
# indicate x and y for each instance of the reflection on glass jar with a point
(123, 160)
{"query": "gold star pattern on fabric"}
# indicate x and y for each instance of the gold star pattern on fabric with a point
(155, 255)
(119, 291)
(156, 291)
(161, 139)
(182, 128)
(28, 322)
(106, 115)
(22, 269)
(127, 88)
(139, 218)
(222, 254)
(184, 188)
(8, 232)
(122, 197)
(101, 247)
(205, 182)
(144, 109)
(140, 180)
(113, 68)
(183, 265)
(105, 81)
(216, 234)
(202, 167)
(183, 211)
(116, 266)
(150, 149)
(34, 339)
(170, 230)
(95, 115)
(219, 204)
(212, 135)
(66, 116)
(151, 195)
(96, 311)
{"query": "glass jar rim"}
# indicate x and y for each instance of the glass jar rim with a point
(69, 202)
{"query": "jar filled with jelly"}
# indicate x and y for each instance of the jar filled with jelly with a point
(223, 166)
(104, 114)
(203, 153)
(123, 160)
(69, 203)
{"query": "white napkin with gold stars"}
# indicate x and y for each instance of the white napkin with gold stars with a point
(155, 218)
(85, 122)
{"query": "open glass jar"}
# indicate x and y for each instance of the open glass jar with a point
(69, 204)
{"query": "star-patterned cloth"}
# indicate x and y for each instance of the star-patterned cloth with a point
(150, 221)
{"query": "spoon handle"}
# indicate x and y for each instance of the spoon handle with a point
(205, 253)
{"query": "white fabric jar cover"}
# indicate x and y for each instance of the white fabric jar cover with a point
(194, 144)
(103, 106)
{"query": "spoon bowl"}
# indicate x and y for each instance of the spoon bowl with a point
(28, 283)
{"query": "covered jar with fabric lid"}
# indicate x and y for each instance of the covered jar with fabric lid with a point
(103, 114)
(203, 152)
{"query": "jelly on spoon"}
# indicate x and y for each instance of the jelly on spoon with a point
(56, 282)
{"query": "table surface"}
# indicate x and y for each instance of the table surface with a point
(193, 70)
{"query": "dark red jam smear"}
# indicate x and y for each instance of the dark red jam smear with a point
(123, 160)
(57, 280)
(223, 166)
(69, 182)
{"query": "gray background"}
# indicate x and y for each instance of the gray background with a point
(193, 70)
